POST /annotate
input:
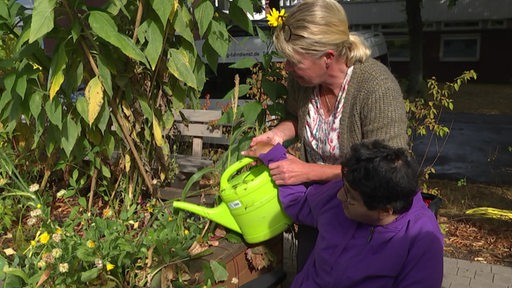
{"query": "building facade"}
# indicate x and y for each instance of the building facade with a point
(474, 34)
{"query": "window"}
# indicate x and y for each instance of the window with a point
(460, 48)
(497, 24)
(398, 48)
(468, 25)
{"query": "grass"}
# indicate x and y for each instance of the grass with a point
(482, 98)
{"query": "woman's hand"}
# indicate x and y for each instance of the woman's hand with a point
(293, 171)
(271, 137)
(258, 149)
(290, 171)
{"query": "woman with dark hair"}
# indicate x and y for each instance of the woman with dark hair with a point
(374, 228)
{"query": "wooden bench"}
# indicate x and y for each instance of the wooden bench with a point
(199, 125)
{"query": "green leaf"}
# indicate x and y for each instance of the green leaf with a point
(238, 11)
(104, 116)
(243, 63)
(154, 36)
(82, 203)
(89, 275)
(274, 90)
(182, 25)
(163, 9)
(105, 76)
(81, 106)
(70, 133)
(106, 28)
(36, 103)
(211, 56)
(54, 112)
(4, 100)
(219, 272)
(57, 70)
(21, 85)
(42, 19)
(179, 66)
(168, 119)
(146, 110)
(251, 110)
(242, 90)
(218, 38)
(204, 15)
(105, 171)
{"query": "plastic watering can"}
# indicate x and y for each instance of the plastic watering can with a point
(250, 203)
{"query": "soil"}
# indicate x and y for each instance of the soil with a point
(469, 237)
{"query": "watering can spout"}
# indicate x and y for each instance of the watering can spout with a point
(219, 214)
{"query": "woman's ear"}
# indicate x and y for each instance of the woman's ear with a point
(385, 213)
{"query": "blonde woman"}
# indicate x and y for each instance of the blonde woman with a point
(337, 96)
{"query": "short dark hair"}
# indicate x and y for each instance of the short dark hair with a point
(383, 175)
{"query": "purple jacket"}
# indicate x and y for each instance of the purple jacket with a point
(405, 253)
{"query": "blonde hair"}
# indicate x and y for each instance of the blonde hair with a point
(315, 26)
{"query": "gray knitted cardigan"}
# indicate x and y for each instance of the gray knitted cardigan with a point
(374, 107)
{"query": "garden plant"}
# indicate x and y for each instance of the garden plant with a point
(87, 90)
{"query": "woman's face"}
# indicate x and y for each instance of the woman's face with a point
(309, 71)
(354, 207)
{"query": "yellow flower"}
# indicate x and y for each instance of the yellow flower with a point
(91, 244)
(63, 267)
(276, 18)
(110, 266)
(45, 237)
(186, 232)
(56, 252)
(107, 213)
(33, 243)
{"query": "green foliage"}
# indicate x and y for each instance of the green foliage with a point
(108, 249)
(93, 77)
(424, 115)
(86, 93)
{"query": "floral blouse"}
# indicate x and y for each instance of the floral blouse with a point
(322, 132)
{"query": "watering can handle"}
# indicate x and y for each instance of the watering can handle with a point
(232, 169)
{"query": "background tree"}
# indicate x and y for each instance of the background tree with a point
(415, 31)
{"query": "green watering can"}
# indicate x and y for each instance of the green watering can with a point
(250, 203)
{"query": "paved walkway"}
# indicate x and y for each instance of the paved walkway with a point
(457, 273)
(462, 273)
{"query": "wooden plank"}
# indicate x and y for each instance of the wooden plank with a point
(202, 116)
(237, 265)
(191, 164)
(197, 147)
(203, 130)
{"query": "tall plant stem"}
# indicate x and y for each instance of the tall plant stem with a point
(91, 191)
(120, 120)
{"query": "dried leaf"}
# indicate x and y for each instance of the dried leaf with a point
(259, 257)
(44, 276)
(197, 248)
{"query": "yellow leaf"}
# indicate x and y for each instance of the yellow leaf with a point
(94, 96)
(157, 133)
(127, 110)
(490, 212)
(127, 162)
(57, 81)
